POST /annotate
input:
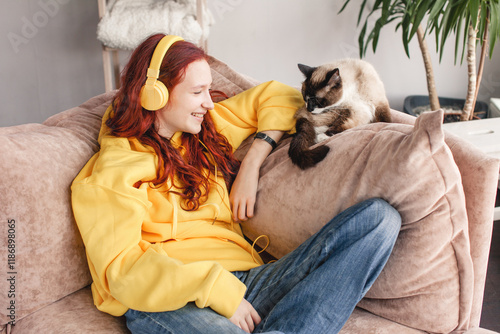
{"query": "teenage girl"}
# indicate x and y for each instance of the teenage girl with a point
(159, 208)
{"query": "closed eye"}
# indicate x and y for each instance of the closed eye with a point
(314, 100)
(200, 89)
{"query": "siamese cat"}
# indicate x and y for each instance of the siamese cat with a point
(338, 96)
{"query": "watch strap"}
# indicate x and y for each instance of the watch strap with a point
(263, 136)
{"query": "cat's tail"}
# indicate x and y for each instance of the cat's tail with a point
(304, 157)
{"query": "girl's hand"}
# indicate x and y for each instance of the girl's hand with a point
(244, 191)
(245, 317)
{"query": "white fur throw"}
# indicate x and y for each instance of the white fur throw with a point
(129, 22)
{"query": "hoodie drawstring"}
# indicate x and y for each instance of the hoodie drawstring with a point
(175, 204)
(268, 242)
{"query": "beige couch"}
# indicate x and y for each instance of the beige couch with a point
(433, 282)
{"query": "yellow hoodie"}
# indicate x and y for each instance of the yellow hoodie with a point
(144, 251)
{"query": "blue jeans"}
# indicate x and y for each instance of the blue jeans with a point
(314, 289)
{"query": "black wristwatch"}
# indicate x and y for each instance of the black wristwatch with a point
(263, 136)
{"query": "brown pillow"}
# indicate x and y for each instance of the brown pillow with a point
(427, 283)
(38, 165)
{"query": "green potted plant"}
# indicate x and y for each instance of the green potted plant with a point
(467, 19)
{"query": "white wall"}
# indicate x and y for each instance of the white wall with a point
(50, 59)
(266, 39)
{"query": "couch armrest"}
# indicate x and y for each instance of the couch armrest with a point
(479, 177)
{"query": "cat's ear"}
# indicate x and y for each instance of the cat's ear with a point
(333, 77)
(306, 70)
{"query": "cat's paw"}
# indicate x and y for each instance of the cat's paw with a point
(310, 158)
(319, 153)
(323, 136)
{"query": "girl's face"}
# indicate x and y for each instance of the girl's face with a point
(188, 102)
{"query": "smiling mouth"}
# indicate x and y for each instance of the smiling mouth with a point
(197, 115)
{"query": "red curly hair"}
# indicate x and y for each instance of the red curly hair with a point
(129, 119)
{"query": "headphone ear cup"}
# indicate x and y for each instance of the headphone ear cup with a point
(162, 93)
(154, 97)
(154, 94)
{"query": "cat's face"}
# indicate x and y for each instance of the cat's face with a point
(322, 86)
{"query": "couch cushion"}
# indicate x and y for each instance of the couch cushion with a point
(362, 321)
(75, 313)
(427, 283)
(38, 164)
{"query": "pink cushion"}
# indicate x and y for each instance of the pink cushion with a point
(427, 283)
(38, 165)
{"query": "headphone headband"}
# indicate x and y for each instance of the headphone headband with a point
(161, 49)
(154, 94)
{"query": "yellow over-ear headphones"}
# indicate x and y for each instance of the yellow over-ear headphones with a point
(154, 94)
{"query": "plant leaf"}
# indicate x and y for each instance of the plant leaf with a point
(361, 38)
(344, 6)
(494, 16)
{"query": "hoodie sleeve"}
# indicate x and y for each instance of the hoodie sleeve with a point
(268, 106)
(129, 272)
